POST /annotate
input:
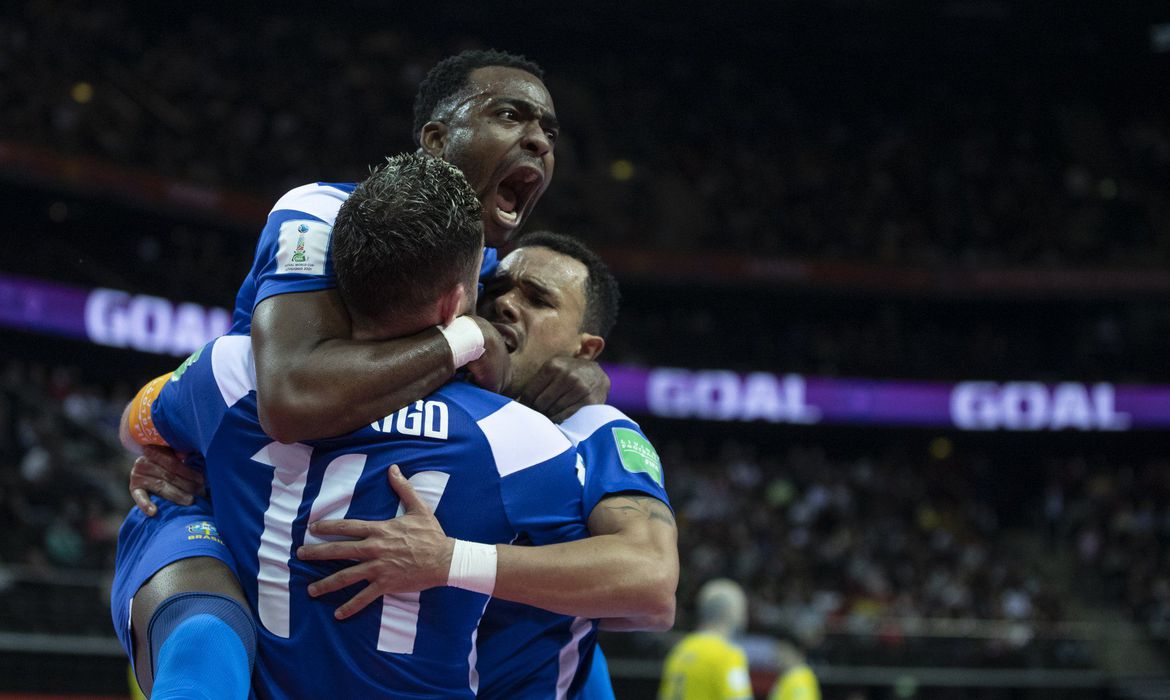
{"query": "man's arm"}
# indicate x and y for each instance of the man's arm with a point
(157, 469)
(628, 569)
(625, 573)
(313, 381)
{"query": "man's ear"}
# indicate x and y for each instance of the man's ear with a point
(591, 346)
(451, 304)
(433, 138)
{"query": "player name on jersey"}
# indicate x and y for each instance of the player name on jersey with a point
(422, 418)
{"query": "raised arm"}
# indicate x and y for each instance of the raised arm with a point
(314, 381)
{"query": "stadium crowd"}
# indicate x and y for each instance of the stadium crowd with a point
(930, 174)
(1118, 519)
(878, 545)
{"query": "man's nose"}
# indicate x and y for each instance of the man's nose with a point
(505, 307)
(536, 141)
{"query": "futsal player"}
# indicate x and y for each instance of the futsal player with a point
(796, 680)
(706, 664)
(407, 248)
(554, 297)
(551, 297)
(489, 114)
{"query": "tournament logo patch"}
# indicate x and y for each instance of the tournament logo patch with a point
(637, 454)
(303, 247)
(203, 530)
(178, 373)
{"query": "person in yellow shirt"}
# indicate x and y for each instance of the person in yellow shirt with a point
(796, 680)
(706, 665)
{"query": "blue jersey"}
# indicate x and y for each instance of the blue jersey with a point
(492, 470)
(526, 652)
(292, 254)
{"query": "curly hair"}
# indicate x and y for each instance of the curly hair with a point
(450, 75)
(410, 231)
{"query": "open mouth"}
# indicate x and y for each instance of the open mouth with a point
(514, 193)
(511, 340)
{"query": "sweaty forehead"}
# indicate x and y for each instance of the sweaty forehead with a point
(497, 81)
(557, 272)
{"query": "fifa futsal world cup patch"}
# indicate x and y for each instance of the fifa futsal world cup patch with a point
(637, 454)
(192, 359)
(303, 247)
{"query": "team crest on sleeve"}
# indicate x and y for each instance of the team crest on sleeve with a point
(637, 454)
(303, 247)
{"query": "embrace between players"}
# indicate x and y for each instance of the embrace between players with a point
(380, 528)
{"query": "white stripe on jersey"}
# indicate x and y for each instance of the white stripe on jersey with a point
(316, 199)
(400, 611)
(582, 424)
(233, 367)
(290, 465)
(337, 487)
(521, 438)
(473, 655)
(570, 657)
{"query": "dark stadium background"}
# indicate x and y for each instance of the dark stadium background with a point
(846, 191)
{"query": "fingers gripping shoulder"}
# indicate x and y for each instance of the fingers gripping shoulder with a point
(140, 418)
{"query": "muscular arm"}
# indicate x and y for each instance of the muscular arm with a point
(626, 572)
(628, 569)
(314, 381)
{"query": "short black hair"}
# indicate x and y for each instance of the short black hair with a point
(409, 232)
(450, 75)
(602, 296)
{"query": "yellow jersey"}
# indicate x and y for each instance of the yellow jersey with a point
(705, 666)
(799, 683)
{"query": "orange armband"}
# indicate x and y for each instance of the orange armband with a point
(141, 422)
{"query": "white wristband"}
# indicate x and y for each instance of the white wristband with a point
(473, 567)
(465, 339)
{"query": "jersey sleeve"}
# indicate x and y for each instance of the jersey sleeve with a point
(292, 254)
(191, 405)
(491, 262)
(537, 466)
(616, 455)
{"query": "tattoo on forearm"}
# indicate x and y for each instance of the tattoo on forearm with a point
(649, 507)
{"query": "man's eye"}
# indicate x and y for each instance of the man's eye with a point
(552, 136)
(508, 114)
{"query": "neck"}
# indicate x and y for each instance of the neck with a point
(396, 326)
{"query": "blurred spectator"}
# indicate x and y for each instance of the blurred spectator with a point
(701, 152)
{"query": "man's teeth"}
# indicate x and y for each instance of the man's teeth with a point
(509, 216)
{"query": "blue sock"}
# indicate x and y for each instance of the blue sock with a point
(202, 647)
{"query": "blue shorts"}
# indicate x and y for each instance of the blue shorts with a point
(146, 545)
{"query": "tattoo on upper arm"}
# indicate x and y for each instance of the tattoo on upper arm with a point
(647, 506)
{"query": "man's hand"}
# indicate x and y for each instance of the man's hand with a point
(493, 370)
(564, 385)
(403, 555)
(161, 472)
